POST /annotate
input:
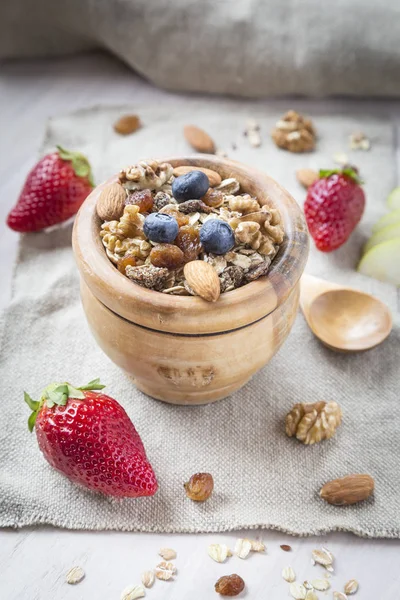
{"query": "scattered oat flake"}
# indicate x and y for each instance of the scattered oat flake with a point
(311, 595)
(339, 596)
(351, 586)
(257, 546)
(167, 553)
(131, 592)
(322, 557)
(165, 571)
(298, 591)
(252, 133)
(218, 552)
(75, 575)
(148, 578)
(321, 584)
(307, 585)
(341, 158)
(359, 141)
(242, 548)
(288, 574)
(285, 547)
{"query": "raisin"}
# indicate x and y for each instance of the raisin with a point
(143, 198)
(229, 585)
(213, 198)
(126, 261)
(180, 217)
(199, 487)
(188, 240)
(166, 255)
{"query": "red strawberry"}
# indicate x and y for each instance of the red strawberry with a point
(333, 207)
(53, 191)
(88, 437)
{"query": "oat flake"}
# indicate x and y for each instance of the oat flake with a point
(165, 571)
(351, 586)
(298, 591)
(322, 557)
(257, 546)
(75, 575)
(242, 548)
(311, 595)
(288, 574)
(167, 553)
(218, 552)
(339, 596)
(131, 592)
(148, 578)
(321, 584)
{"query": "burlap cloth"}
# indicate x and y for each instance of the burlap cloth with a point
(262, 478)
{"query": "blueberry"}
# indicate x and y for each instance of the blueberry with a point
(160, 228)
(217, 236)
(191, 186)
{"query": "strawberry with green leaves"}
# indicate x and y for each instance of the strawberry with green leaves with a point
(88, 437)
(53, 191)
(334, 206)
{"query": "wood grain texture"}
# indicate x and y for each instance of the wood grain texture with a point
(189, 369)
(180, 314)
(344, 319)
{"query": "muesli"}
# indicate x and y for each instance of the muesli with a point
(168, 220)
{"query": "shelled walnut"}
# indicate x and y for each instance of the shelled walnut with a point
(312, 423)
(294, 132)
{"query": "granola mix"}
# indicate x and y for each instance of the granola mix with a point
(256, 231)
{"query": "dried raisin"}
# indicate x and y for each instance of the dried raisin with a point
(180, 217)
(143, 198)
(213, 198)
(229, 585)
(126, 261)
(166, 255)
(188, 240)
(200, 486)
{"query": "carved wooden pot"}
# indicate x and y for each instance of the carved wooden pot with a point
(182, 349)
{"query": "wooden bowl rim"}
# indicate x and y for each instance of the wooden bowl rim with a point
(187, 314)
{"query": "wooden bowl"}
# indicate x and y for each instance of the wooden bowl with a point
(182, 349)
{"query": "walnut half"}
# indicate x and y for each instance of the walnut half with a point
(312, 423)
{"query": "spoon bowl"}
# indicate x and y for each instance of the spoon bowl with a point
(344, 319)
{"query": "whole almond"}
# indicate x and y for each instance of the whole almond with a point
(213, 177)
(199, 139)
(203, 280)
(348, 490)
(127, 124)
(111, 202)
(306, 177)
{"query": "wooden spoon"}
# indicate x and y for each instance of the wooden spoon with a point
(344, 319)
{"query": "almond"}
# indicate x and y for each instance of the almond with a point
(111, 202)
(199, 139)
(203, 280)
(348, 490)
(306, 177)
(213, 177)
(127, 124)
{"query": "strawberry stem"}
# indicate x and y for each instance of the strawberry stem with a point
(347, 170)
(58, 394)
(80, 163)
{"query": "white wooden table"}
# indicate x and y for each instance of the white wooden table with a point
(33, 562)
